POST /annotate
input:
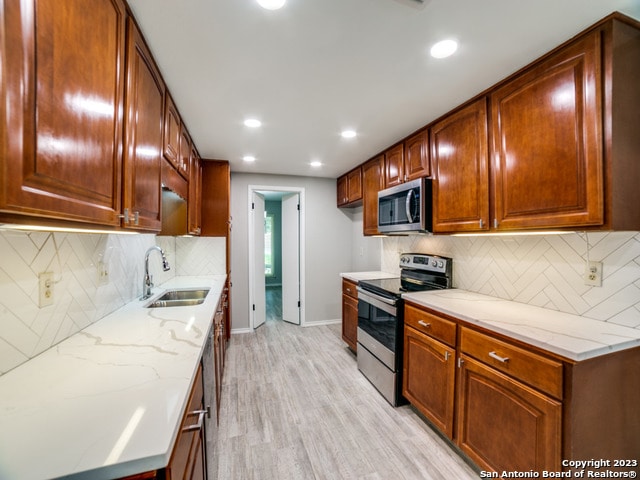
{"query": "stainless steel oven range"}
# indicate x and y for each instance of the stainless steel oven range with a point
(380, 319)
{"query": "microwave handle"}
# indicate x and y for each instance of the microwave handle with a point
(407, 205)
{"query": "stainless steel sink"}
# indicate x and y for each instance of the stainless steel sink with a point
(180, 298)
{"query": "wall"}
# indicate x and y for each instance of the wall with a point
(546, 270)
(80, 299)
(329, 238)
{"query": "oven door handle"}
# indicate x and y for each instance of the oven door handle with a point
(383, 304)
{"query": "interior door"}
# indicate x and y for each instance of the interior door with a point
(291, 258)
(259, 298)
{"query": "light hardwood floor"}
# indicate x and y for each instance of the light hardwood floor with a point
(295, 407)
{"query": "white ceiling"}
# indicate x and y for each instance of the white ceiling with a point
(316, 67)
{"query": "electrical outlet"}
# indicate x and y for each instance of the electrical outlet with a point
(103, 273)
(45, 280)
(593, 274)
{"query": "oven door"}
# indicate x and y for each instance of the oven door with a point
(378, 327)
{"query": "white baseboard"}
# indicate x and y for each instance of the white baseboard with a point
(237, 331)
(322, 322)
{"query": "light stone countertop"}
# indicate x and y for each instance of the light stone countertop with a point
(571, 336)
(108, 401)
(358, 276)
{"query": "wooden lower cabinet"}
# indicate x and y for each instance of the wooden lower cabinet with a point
(350, 314)
(504, 424)
(429, 373)
(188, 458)
(510, 406)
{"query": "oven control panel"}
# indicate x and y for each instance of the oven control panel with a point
(420, 261)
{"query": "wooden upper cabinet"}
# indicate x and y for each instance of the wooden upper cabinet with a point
(216, 188)
(195, 194)
(372, 183)
(394, 165)
(547, 142)
(349, 188)
(416, 156)
(184, 160)
(61, 117)
(171, 142)
(460, 162)
(143, 136)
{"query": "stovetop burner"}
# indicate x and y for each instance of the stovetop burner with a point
(418, 272)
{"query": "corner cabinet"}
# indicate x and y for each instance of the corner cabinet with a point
(61, 118)
(142, 162)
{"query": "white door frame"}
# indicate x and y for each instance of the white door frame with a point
(273, 188)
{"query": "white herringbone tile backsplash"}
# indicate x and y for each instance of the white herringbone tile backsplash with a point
(79, 298)
(541, 270)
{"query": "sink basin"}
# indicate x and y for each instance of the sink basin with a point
(180, 298)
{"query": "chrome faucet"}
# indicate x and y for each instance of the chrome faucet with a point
(147, 283)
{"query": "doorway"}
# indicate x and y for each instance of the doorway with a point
(276, 255)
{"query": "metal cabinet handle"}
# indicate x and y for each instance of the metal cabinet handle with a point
(495, 356)
(495, 223)
(481, 223)
(197, 426)
(424, 324)
(446, 356)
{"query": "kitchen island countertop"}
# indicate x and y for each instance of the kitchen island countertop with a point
(108, 401)
(573, 337)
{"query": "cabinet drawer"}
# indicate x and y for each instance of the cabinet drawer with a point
(434, 326)
(349, 288)
(533, 369)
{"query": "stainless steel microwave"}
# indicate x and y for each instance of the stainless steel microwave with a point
(405, 208)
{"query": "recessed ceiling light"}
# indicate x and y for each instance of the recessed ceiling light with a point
(444, 49)
(316, 164)
(348, 133)
(249, 158)
(271, 4)
(252, 123)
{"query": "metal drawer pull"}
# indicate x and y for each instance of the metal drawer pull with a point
(446, 356)
(424, 324)
(498, 357)
(197, 426)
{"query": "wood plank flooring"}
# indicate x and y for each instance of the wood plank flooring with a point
(294, 406)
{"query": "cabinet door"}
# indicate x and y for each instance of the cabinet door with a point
(350, 321)
(429, 378)
(459, 156)
(195, 194)
(505, 425)
(372, 183)
(171, 132)
(216, 186)
(416, 160)
(61, 117)
(354, 185)
(143, 137)
(547, 142)
(185, 152)
(342, 191)
(394, 166)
